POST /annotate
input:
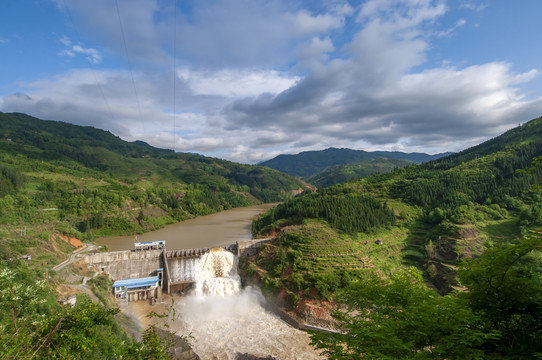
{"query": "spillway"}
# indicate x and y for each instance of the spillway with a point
(224, 319)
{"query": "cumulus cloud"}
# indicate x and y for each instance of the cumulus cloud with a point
(255, 78)
(235, 82)
(303, 22)
(374, 98)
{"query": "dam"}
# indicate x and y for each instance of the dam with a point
(220, 326)
(158, 270)
(223, 318)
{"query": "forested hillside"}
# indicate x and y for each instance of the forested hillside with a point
(457, 213)
(87, 182)
(356, 170)
(312, 163)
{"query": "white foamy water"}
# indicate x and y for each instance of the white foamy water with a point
(217, 275)
(224, 319)
(185, 270)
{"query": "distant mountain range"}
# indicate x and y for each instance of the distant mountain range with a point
(311, 165)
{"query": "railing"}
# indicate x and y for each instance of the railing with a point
(197, 252)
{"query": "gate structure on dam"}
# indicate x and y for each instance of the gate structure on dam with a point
(177, 269)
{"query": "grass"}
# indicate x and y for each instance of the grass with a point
(501, 231)
(338, 251)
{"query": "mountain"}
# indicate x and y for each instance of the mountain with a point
(356, 170)
(381, 248)
(415, 157)
(100, 184)
(311, 163)
(433, 216)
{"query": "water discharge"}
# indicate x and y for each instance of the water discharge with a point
(224, 319)
(217, 275)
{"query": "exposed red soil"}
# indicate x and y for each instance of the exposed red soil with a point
(70, 240)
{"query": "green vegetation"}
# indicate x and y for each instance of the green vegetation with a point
(342, 208)
(34, 326)
(87, 182)
(398, 317)
(323, 167)
(446, 210)
(353, 171)
(463, 221)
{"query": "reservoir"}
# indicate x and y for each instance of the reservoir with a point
(219, 229)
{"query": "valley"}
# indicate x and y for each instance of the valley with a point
(425, 239)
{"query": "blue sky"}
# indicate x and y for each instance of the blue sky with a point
(246, 80)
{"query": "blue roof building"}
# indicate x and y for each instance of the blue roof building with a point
(138, 289)
(135, 283)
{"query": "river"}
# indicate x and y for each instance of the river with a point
(219, 229)
(221, 318)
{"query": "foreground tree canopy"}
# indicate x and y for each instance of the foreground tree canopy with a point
(497, 316)
(34, 326)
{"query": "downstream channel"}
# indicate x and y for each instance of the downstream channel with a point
(222, 318)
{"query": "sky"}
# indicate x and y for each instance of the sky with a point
(247, 80)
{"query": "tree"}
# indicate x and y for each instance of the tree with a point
(400, 318)
(504, 287)
(19, 304)
(34, 327)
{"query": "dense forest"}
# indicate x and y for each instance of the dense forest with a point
(462, 223)
(356, 170)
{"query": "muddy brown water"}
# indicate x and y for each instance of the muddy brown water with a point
(220, 229)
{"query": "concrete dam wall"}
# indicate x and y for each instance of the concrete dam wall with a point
(180, 267)
(128, 264)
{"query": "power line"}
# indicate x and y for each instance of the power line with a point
(129, 64)
(174, 71)
(89, 62)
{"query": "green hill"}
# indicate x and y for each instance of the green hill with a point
(312, 163)
(356, 170)
(444, 211)
(88, 182)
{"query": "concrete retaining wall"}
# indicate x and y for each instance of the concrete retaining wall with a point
(250, 248)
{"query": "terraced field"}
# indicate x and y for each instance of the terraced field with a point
(312, 254)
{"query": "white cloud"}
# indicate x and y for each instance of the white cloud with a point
(259, 78)
(315, 53)
(236, 83)
(375, 99)
(92, 55)
(460, 23)
(473, 6)
(303, 23)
